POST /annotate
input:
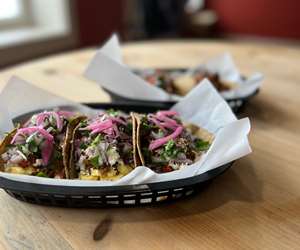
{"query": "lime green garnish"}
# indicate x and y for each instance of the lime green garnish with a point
(41, 174)
(202, 145)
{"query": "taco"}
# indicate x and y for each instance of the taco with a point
(103, 147)
(165, 144)
(67, 146)
(37, 147)
(181, 83)
(214, 78)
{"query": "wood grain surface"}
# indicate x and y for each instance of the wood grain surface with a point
(255, 205)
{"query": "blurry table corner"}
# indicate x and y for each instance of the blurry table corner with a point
(254, 205)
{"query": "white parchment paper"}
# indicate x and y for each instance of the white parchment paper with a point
(203, 106)
(118, 79)
(112, 49)
(100, 68)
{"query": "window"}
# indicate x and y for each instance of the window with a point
(14, 13)
(34, 28)
(9, 9)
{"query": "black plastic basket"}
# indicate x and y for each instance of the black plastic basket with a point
(237, 104)
(115, 196)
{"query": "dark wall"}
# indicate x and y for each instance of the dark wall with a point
(97, 19)
(271, 18)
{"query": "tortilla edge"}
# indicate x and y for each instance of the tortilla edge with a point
(67, 146)
(138, 141)
(6, 140)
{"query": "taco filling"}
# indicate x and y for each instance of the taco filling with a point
(215, 79)
(103, 147)
(161, 79)
(165, 144)
(181, 84)
(36, 148)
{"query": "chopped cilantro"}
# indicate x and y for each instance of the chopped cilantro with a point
(146, 153)
(57, 155)
(112, 112)
(170, 145)
(95, 161)
(202, 145)
(146, 125)
(85, 133)
(170, 149)
(83, 123)
(32, 146)
(96, 141)
(128, 128)
(82, 146)
(31, 143)
(52, 120)
(160, 133)
(23, 149)
(161, 81)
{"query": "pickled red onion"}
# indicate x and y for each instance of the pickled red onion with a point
(167, 112)
(162, 121)
(115, 129)
(46, 152)
(41, 117)
(66, 114)
(108, 126)
(167, 119)
(116, 119)
(31, 130)
(170, 125)
(161, 141)
(109, 131)
(156, 122)
(100, 125)
(48, 147)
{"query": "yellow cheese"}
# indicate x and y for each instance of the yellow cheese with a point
(107, 175)
(95, 172)
(19, 170)
(112, 175)
(124, 169)
(199, 132)
(89, 177)
(184, 84)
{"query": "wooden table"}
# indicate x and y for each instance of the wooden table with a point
(255, 205)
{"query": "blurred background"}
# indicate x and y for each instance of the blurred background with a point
(31, 29)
